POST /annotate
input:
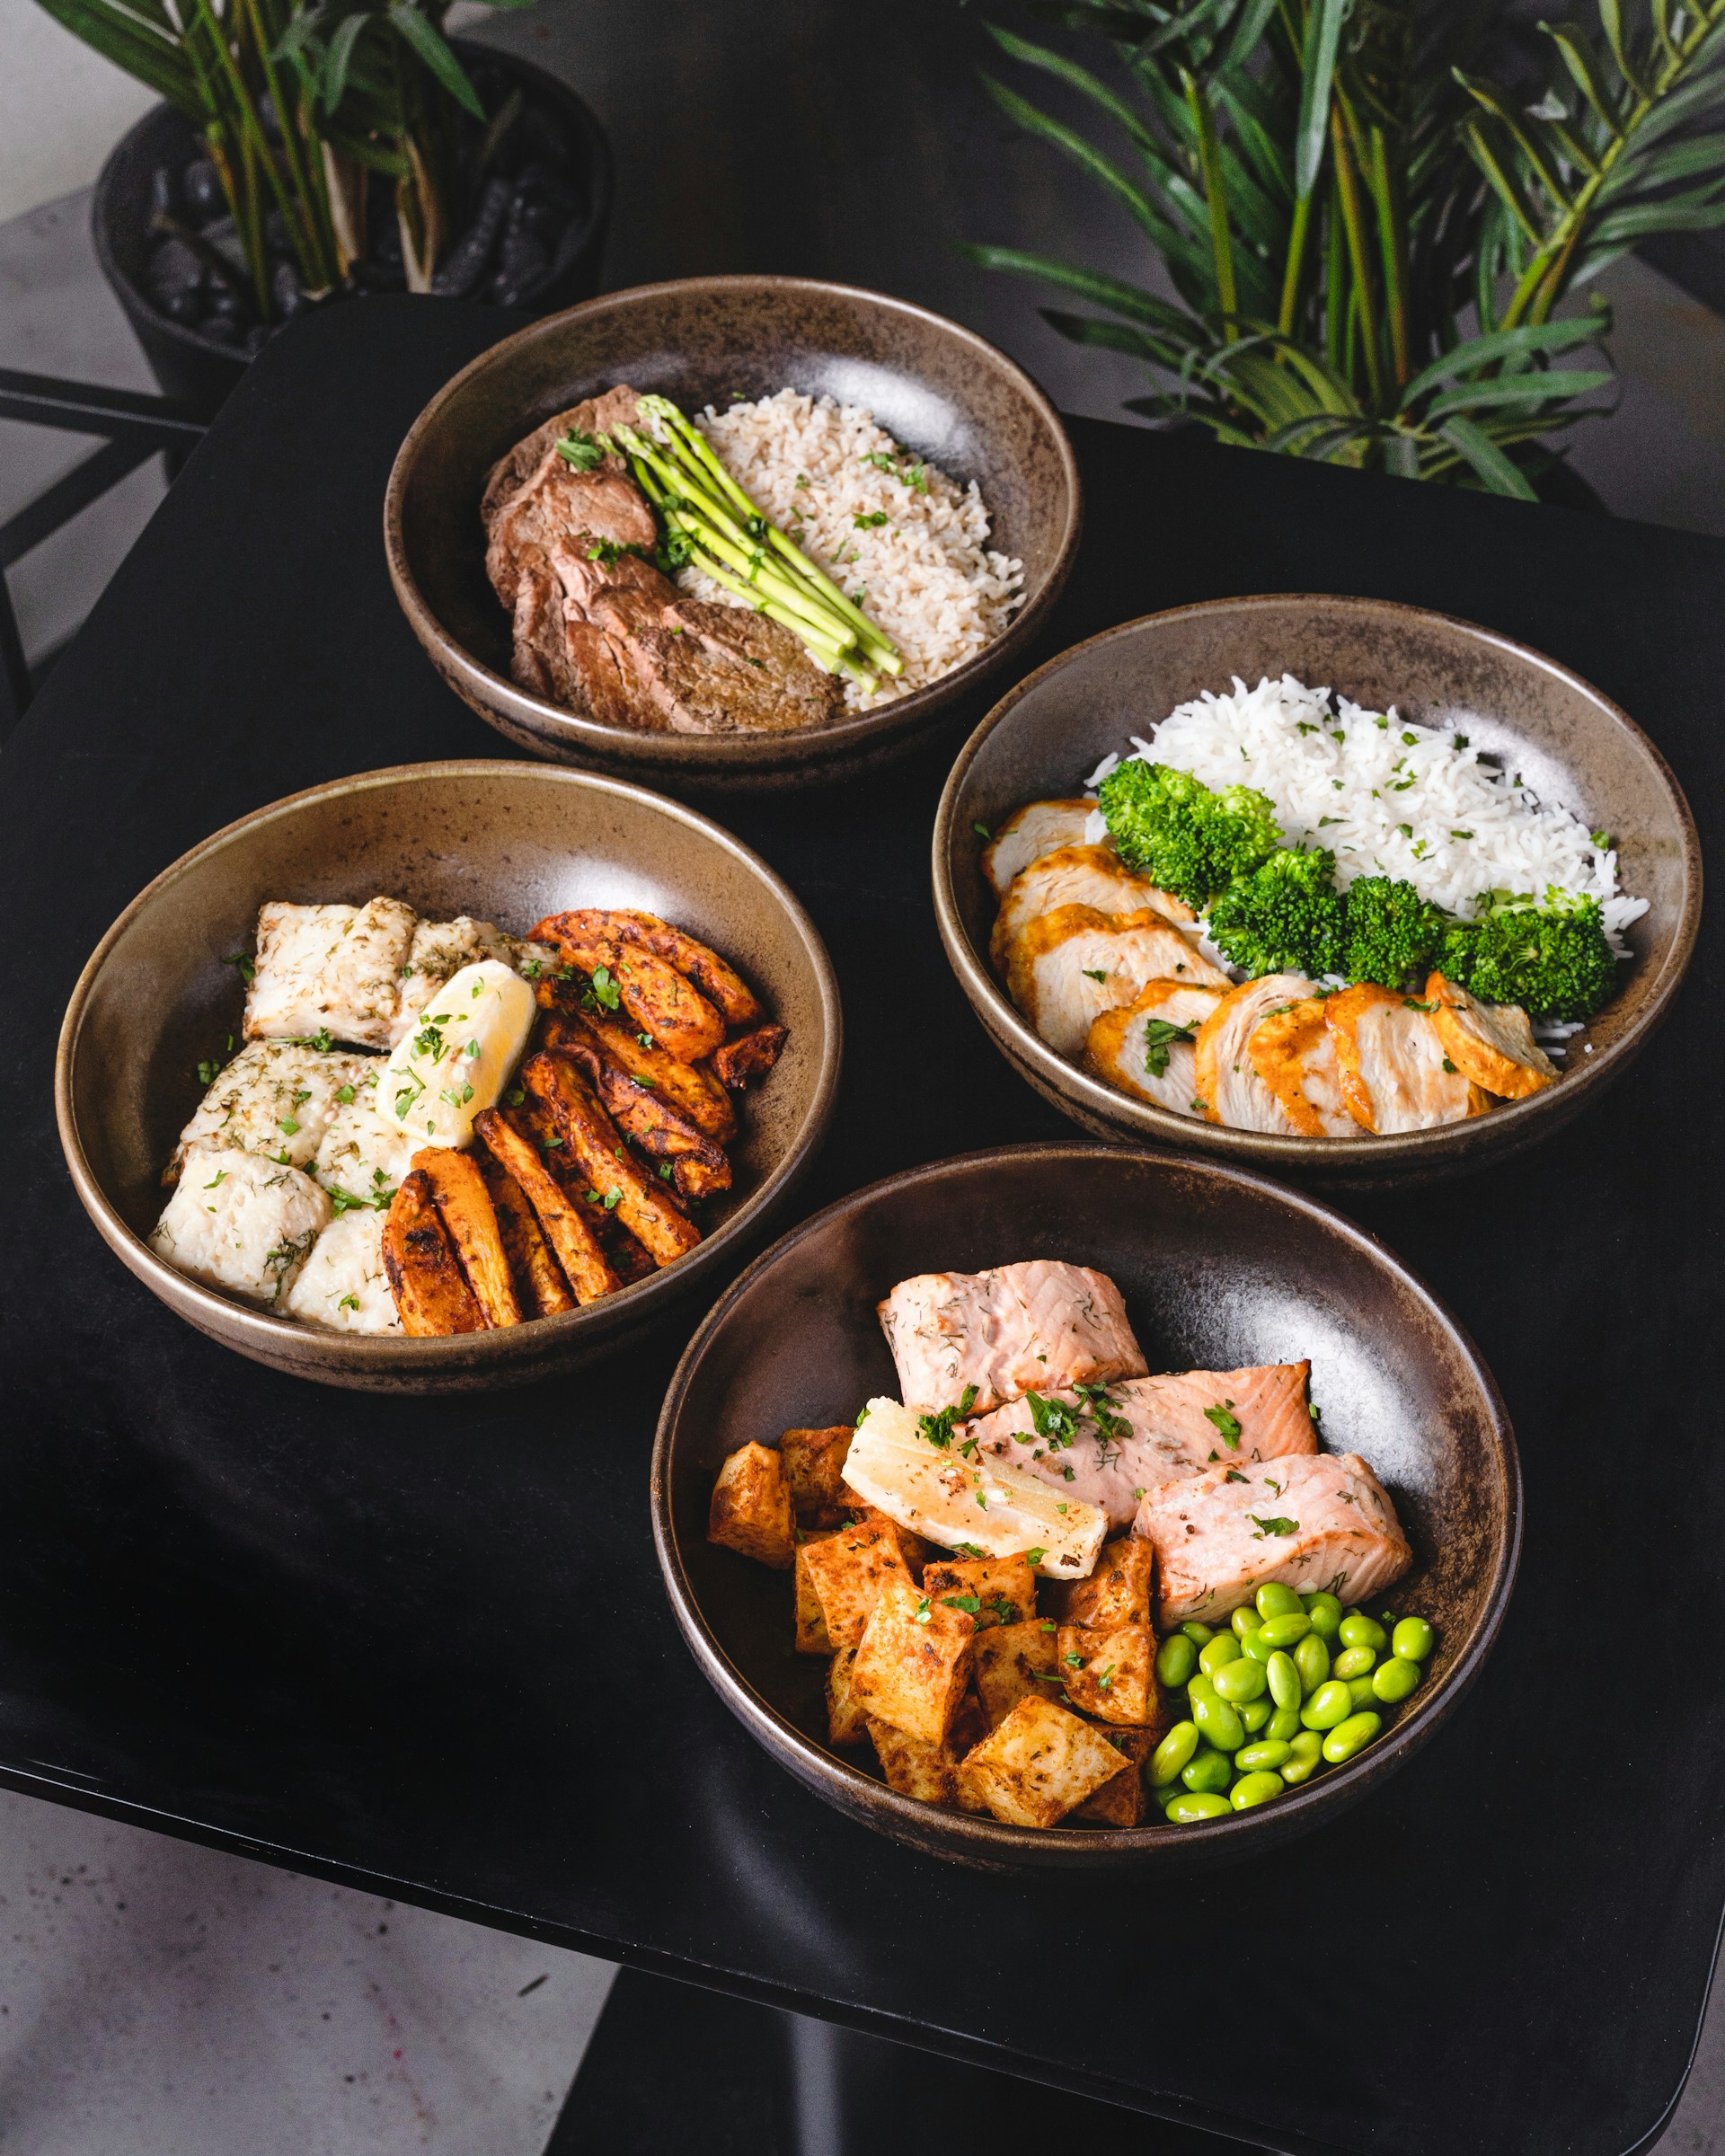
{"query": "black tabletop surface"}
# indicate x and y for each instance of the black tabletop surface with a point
(422, 1646)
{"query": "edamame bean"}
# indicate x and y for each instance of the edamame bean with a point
(1255, 1645)
(1352, 1662)
(1216, 1719)
(1412, 1638)
(1185, 1810)
(1268, 1752)
(1325, 1612)
(1303, 1752)
(1284, 1723)
(1329, 1706)
(1245, 1620)
(1200, 1635)
(1284, 1680)
(1394, 1680)
(1241, 1680)
(1254, 1714)
(1350, 1736)
(1220, 1651)
(1311, 1660)
(1174, 1751)
(1285, 1630)
(1359, 1690)
(1359, 1630)
(1254, 1790)
(1176, 1659)
(1210, 1771)
(1275, 1599)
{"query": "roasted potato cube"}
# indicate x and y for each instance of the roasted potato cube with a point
(846, 1724)
(929, 1772)
(847, 1571)
(814, 1462)
(994, 1590)
(1118, 1592)
(1122, 1801)
(915, 1551)
(1110, 1674)
(913, 1661)
(811, 1621)
(1041, 1763)
(1015, 1662)
(751, 1508)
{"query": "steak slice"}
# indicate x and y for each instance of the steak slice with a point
(597, 415)
(558, 503)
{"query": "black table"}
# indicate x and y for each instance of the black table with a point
(422, 1647)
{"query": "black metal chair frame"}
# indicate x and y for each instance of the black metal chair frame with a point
(131, 427)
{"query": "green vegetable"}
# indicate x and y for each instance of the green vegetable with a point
(1268, 1752)
(1159, 1036)
(1176, 1659)
(1173, 1753)
(1274, 1600)
(1412, 1638)
(1173, 829)
(1209, 1771)
(1240, 1681)
(1284, 1723)
(1312, 1659)
(1329, 1705)
(1257, 1645)
(581, 452)
(1200, 1635)
(1359, 1630)
(1360, 1692)
(1303, 1752)
(1252, 1789)
(1218, 1653)
(1285, 916)
(1396, 1679)
(1286, 1632)
(1216, 1719)
(1185, 1811)
(1353, 1661)
(1394, 935)
(1325, 1612)
(1254, 1714)
(1350, 1736)
(1245, 1620)
(1284, 1680)
(1550, 959)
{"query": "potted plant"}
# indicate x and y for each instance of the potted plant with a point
(311, 151)
(1372, 211)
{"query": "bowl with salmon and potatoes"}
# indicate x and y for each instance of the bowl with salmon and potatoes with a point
(446, 1076)
(1069, 1507)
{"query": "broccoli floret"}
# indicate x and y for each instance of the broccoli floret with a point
(1173, 829)
(1394, 934)
(1286, 916)
(1550, 959)
(1455, 949)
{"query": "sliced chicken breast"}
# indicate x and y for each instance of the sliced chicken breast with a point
(1395, 1074)
(1113, 1443)
(1065, 968)
(1322, 1522)
(1294, 1053)
(1079, 876)
(1491, 1043)
(1147, 1048)
(1228, 1080)
(1030, 833)
(1005, 1331)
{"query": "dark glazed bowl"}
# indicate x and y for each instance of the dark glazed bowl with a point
(1572, 744)
(1219, 1269)
(939, 389)
(508, 842)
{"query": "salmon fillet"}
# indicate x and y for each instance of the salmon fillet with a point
(1005, 1331)
(1321, 1522)
(1129, 1438)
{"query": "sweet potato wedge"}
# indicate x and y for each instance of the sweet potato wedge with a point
(584, 1263)
(622, 1253)
(699, 1168)
(470, 1221)
(655, 995)
(642, 1203)
(539, 1278)
(424, 1276)
(720, 983)
(690, 1088)
(750, 1056)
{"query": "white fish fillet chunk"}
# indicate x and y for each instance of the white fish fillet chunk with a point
(276, 1098)
(239, 1222)
(361, 1155)
(334, 969)
(342, 1285)
(1042, 1323)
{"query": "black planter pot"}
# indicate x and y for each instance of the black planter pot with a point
(198, 369)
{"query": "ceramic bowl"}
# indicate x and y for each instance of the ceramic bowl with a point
(1220, 1269)
(1572, 745)
(939, 389)
(506, 842)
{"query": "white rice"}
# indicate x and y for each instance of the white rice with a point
(924, 576)
(1387, 797)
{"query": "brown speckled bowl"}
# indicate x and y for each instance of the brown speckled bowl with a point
(1219, 1269)
(939, 389)
(1574, 745)
(506, 842)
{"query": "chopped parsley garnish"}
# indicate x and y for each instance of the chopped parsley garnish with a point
(220, 1176)
(239, 958)
(1450, 1068)
(612, 1198)
(972, 1604)
(1072, 1661)
(348, 1302)
(1413, 1003)
(428, 1041)
(471, 1048)
(209, 1072)
(1054, 1420)
(1602, 840)
(937, 1428)
(1275, 1525)
(982, 830)
(344, 1094)
(606, 991)
(870, 522)
(1226, 1423)
(290, 1126)
(515, 1096)
(665, 1172)
(1461, 835)
(923, 1614)
(967, 1549)
(1094, 973)
(1034, 1557)
(1233, 1475)
(1105, 1678)
(582, 452)
(1049, 1625)
(1159, 1035)
(1405, 829)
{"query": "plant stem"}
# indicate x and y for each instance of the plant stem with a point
(1362, 277)
(1335, 285)
(1294, 268)
(1391, 243)
(1209, 164)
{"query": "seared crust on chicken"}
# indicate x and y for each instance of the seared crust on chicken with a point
(1491, 1043)
(470, 1221)
(1395, 1074)
(1065, 968)
(642, 1203)
(1293, 1052)
(424, 1276)
(1079, 876)
(571, 1235)
(720, 983)
(1228, 1082)
(542, 1287)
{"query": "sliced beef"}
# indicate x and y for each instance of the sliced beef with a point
(597, 415)
(557, 505)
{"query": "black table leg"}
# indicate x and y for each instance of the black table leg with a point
(674, 2068)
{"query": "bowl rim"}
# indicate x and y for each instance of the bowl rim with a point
(233, 1321)
(988, 1840)
(695, 752)
(1512, 1122)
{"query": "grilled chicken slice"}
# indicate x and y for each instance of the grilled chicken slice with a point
(1491, 1043)
(1321, 1522)
(1147, 1431)
(1066, 967)
(1079, 876)
(1294, 1053)
(1395, 1072)
(1030, 833)
(1227, 1079)
(1147, 1048)
(1042, 1322)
